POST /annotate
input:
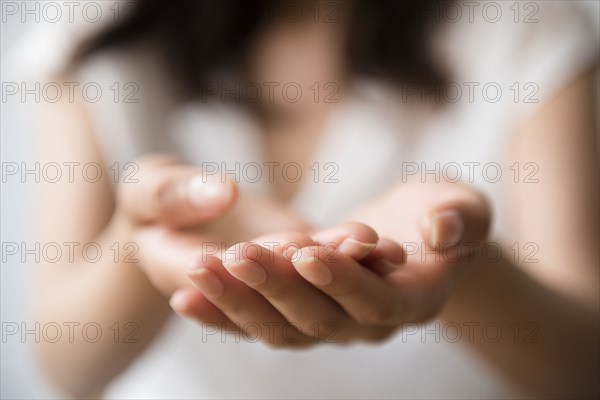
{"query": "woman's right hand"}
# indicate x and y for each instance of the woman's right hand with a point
(173, 213)
(162, 214)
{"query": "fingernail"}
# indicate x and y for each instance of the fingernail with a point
(206, 281)
(249, 272)
(356, 249)
(177, 301)
(447, 228)
(313, 270)
(208, 191)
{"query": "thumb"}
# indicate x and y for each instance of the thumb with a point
(174, 194)
(461, 221)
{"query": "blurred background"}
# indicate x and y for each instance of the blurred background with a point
(20, 377)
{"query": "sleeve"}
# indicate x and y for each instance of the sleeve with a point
(46, 45)
(553, 51)
(124, 91)
(529, 49)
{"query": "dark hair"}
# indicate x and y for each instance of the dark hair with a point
(388, 38)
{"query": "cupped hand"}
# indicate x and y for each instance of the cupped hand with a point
(441, 226)
(290, 289)
(343, 284)
(174, 212)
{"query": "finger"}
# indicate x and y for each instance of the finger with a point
(456, 226)
(366, 297)
(422, 213)
(453, 230)
(192, 304)
(285, 244)
(245, 307)
(174, 194)
(353, 238)
(165, 253)
(461, 222)
(273, 276)
(387, 257)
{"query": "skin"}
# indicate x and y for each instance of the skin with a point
(560, 294)
(329, 273)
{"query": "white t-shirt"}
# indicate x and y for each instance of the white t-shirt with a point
(502, 73)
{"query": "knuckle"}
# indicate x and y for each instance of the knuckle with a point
(343, 287)
(232, 306)
(378, 316)
(273, 291)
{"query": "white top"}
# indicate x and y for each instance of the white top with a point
(372, 137)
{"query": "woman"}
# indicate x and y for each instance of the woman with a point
(395, 116)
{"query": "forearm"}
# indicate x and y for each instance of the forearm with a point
(109, 309)
(548, 343)
(561, 361)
